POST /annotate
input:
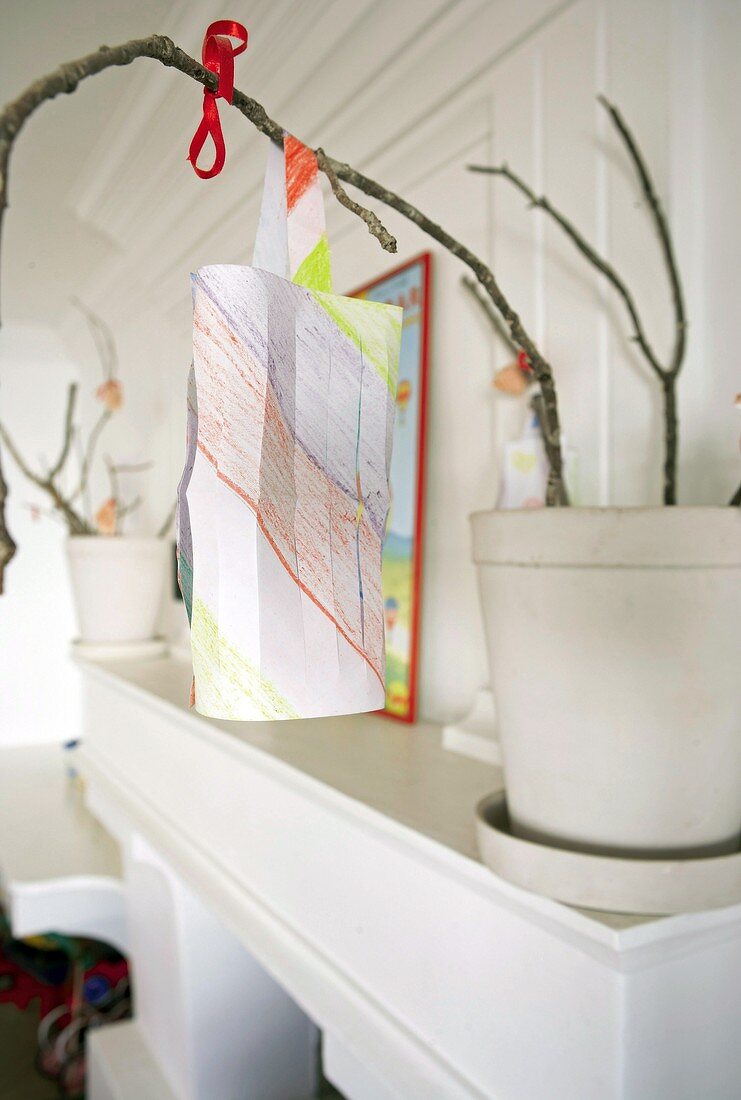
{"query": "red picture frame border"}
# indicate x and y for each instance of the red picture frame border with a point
(425, 259)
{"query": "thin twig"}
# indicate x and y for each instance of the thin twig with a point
(671, 416)
(540, 202)
(375, 226)
(114, 469)
(126, 509)
(112, 479)
(20, 462)
(666, 373)
(105, 345)
(76, 524)
(491, 314)
(662, 229)
(87, 462)
(68, 432)
(167, 522)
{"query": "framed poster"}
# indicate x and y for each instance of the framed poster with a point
(407, 286)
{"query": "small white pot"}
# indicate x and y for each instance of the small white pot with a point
(614, 640)
(117, 583)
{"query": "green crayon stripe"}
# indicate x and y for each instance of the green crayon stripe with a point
(226, 678)
(315, 272)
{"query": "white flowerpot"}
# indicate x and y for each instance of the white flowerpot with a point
(614, 640)
(117, 584)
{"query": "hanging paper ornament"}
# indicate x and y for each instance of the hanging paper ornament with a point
(283, 502)
(515, 377)
(510, 379)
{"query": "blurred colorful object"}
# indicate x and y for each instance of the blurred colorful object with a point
(407, 286)
(514, 378)
(283, 501)
(74, 984)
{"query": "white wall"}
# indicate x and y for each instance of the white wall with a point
(39, 697)
(410, 94)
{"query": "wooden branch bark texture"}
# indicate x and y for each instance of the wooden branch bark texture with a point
(65, 80)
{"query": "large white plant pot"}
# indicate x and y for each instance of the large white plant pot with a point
(117, 585)
(614, 640)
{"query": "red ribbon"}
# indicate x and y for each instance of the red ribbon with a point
(217, 56)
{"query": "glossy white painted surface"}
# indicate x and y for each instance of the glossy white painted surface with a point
(216, 1023)
(342, 854)
(354, 1080)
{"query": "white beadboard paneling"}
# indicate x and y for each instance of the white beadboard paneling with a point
(571, 316)
(706, 211)
(638, 83)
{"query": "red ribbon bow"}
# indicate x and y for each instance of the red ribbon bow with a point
(217, 56)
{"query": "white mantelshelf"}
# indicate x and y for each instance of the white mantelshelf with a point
(59, 868)
(342, 853)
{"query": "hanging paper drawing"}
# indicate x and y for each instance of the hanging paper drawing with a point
(284, 497)
(407, 286)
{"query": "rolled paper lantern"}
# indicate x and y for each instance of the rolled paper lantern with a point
(284, 496)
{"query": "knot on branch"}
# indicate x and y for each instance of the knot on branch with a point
(70, 78)
(165, 49)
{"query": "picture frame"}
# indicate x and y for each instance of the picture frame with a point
(407, 285)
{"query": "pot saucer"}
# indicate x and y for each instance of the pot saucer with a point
(144, 650)
(653, 887)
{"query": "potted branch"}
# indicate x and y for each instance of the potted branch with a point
(117, 579)
(613, 638)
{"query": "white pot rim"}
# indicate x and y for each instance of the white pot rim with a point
(105, 544)
(651, 537)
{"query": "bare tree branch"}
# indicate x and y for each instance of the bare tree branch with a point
(662, 229)
(75, 523)
(556, 493)
(540, 202)
(126, 509)
(87, 461)
(666, 373)
(67, 77)
(19, 460)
